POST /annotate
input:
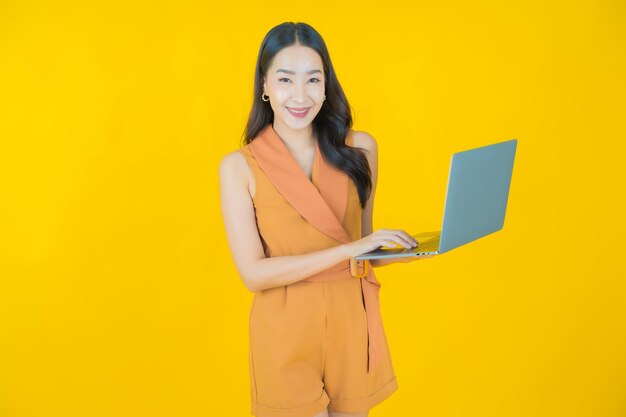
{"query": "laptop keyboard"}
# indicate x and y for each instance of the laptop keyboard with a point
(429, 245)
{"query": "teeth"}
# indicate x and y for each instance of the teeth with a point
(296, 111)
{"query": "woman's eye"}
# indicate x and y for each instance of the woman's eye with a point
(317, 80)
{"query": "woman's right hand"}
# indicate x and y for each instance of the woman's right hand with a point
(381, 237)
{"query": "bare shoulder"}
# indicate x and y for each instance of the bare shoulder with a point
(234, 164)
(362, 139)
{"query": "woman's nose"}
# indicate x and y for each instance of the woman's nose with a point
(299, 92)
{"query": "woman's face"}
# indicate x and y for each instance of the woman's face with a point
(295, 84)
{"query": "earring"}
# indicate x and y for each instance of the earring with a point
(324, 96)
(263, 97)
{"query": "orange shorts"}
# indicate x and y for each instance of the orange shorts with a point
(308, 351)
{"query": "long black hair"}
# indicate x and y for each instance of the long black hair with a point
(334, 120)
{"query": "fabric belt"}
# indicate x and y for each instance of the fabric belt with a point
(370, 288)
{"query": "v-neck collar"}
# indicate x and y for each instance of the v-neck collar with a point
(321, 200)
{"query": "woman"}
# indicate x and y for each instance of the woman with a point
(297, 204)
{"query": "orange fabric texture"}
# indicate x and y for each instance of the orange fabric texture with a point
(318, 341)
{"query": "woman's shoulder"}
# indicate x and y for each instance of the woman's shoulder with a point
(234, 163)
(362, 139)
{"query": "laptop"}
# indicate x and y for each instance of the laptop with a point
(475, 204)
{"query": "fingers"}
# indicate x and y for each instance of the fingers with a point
(395, 243)
(398, 236)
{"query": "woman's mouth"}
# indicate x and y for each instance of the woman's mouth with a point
(298, 112)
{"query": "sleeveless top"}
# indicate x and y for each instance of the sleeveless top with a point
(295, 215)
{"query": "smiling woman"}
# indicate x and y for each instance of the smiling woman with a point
(297, 202)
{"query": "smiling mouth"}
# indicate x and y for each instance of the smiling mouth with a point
(300, 112)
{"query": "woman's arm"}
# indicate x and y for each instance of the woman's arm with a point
(366, 141)
(258, 272)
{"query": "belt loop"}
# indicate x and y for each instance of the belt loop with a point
(359, 268)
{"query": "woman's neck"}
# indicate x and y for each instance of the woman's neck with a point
(295, 139)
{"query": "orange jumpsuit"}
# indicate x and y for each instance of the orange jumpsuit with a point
(318, 342)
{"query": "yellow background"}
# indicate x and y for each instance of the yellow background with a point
(118, 296)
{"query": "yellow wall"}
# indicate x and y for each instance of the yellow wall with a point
(118, 296)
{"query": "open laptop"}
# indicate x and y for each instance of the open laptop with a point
(475, 204)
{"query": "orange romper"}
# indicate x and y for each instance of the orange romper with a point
(318, 342)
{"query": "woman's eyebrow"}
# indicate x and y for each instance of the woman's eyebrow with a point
(293, 72)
